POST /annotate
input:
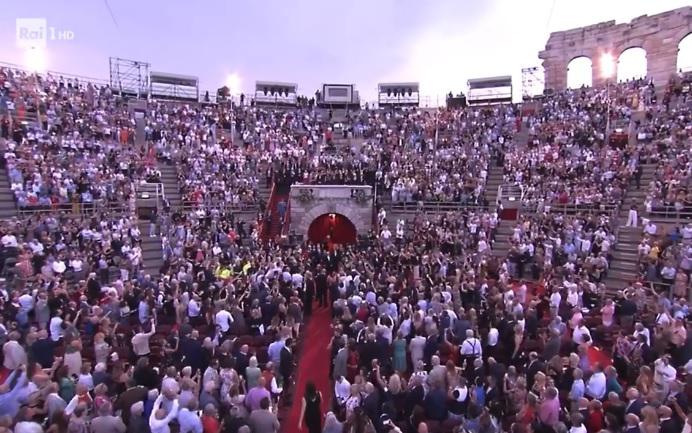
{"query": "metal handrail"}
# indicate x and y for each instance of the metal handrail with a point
(236, 207)
(432, 206)
(83, 208)
(670, 214)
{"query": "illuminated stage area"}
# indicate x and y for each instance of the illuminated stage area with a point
(332, 229)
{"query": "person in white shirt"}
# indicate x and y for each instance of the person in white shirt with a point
(342, 390)
(664, 374)
(55, 327)
(579, 334)
(640, 329)
(386, 235)
(193, 308)
(555, 299)
(59, 266)
(140, 341)
(632, 217)
(471, 347)
(297, 280)
(9, 241)
(650, 228)
(223, 320)
(77, 264)
(159, 419)
(596, 386)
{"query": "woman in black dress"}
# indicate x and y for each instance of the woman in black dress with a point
(311, 411)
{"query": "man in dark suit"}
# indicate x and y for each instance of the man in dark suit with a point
(531, 323)
(242, 360)
(552, 345)
(322, 289)
(631, 424)
(634, 403)
(667, 423)
(415, 396)
(496, 369)
(286, 361)
(492, 393)
(340, 362)
(371, 403)
(191, 351)
(615, 406)
(534, 366)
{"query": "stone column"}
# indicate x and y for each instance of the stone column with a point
(555, 73)
(661, 57)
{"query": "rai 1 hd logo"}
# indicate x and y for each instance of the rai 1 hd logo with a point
(36, 33)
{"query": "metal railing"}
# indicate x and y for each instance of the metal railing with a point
(223, 206)
(590, 209)
(669, 212)
(76, 208)
(433, 206)
(511, 192)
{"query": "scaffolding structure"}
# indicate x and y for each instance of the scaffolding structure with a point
(129, 77)
(532, 82)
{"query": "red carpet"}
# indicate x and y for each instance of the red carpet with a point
(274, 231)
(313, 366)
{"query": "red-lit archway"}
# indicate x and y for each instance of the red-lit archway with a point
(332, 228)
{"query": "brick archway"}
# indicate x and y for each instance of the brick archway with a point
(348, 210)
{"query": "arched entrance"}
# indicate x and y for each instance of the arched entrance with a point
(632, 64)
(332, 228)
(685, 54)
(579, 72)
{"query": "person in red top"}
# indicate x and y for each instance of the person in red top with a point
(210, 419)
(595, 420)
(352, 362)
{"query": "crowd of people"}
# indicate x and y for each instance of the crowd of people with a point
(433, 330)
(69, 143)
(568, 158)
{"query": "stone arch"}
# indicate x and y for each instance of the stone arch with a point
(333, 227)
(326, 207)
(658, 34)
(579, 72)
(684, 59)
(632, 63)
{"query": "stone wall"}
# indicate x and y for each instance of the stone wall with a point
(658, 34)
(330, 199)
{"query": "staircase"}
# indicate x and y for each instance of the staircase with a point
(8, 206)
(624, 263)
(264, 192)
(502, 243)
(492, 184)
(274, 229)
(521, 137)
(623, 266)
(637, 196)
(152, 252)
(171, 188)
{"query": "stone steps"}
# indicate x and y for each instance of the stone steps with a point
(169, 180)
(8, 205)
